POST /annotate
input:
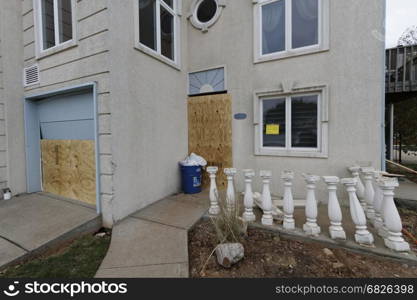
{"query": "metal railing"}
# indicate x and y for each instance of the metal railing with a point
(401, 69)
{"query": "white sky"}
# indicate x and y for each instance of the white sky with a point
(401, 14)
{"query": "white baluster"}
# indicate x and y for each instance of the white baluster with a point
(230, 193)
(267, 218)
(362, 235)
(335, 213)
(311, 227)
(368, 176)
(392, 219)
(378, 198)
(360, 189)
(214, 196)
(248, 215)
(289, 222)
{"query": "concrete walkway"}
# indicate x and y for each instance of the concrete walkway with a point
(153, 242)
(407, 191)
(32, 223)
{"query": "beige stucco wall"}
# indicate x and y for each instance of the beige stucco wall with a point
(142, 102)
(149, 117)
(87, 62)
(352, 68)
(3, 144)
(12, 170)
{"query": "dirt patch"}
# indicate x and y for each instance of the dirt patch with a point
(268, 256)
(409, 219)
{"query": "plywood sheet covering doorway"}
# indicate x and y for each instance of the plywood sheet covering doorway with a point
(210, 132)
(69, 169)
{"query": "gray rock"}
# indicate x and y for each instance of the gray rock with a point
(229, 254)
(328, 252)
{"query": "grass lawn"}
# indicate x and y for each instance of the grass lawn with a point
(78, 259)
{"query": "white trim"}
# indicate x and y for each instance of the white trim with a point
(322, 122)
(206, 25)
(207, 69)
(40, 52)
(176, 62)
(323, 28)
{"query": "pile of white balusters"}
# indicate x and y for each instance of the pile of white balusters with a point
(372, 199)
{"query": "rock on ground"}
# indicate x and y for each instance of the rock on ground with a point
(229, 254)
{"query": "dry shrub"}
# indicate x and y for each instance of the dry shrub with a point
(229, 226)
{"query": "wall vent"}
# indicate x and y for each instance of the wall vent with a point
(31, 75)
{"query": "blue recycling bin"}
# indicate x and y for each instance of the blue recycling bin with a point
(191, 179)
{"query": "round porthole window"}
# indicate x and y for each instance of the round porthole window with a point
(204, 13)
(206, 10)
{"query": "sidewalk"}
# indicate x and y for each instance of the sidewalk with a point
(32, 223)
(153, 242)
(407, 190)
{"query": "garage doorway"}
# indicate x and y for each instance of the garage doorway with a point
(61, 144)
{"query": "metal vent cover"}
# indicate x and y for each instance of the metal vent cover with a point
(31, 75)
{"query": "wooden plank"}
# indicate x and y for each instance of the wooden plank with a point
(402, 167)
(69, 169)
(210, 132)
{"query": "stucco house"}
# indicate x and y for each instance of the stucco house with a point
(97, 97)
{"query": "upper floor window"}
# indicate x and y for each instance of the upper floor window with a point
(158, 29)
(55, 24)
(290, 27)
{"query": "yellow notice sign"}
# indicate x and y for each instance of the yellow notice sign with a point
(272, 129)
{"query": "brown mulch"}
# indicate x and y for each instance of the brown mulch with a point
(269, 256)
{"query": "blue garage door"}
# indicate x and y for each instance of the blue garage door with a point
(67, 117)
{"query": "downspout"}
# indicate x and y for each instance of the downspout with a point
(383, 142)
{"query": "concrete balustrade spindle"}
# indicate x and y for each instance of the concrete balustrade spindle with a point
(335, 213)
(248, 215)
(213, 194)
(230, 192)
(289, 222)
(378, 198)
(392, 219)
(360, 189)
(267, 218)
(362, 235)
(311, 227)
(368, 177)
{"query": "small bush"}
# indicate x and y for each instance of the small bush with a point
(229, 226)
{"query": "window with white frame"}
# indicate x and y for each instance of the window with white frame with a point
(157, 28)
(291, 124)
(55, 23)
(290, 27)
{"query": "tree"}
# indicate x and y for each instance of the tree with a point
(405, 128)
(409, 37)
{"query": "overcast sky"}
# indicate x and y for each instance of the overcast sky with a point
(401, 14)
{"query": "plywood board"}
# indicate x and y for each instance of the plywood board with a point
(210, 132)
(69, 169)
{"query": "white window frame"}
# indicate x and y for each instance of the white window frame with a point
(176, 11)
(322, 122)
(40, 52)
(323, 38)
